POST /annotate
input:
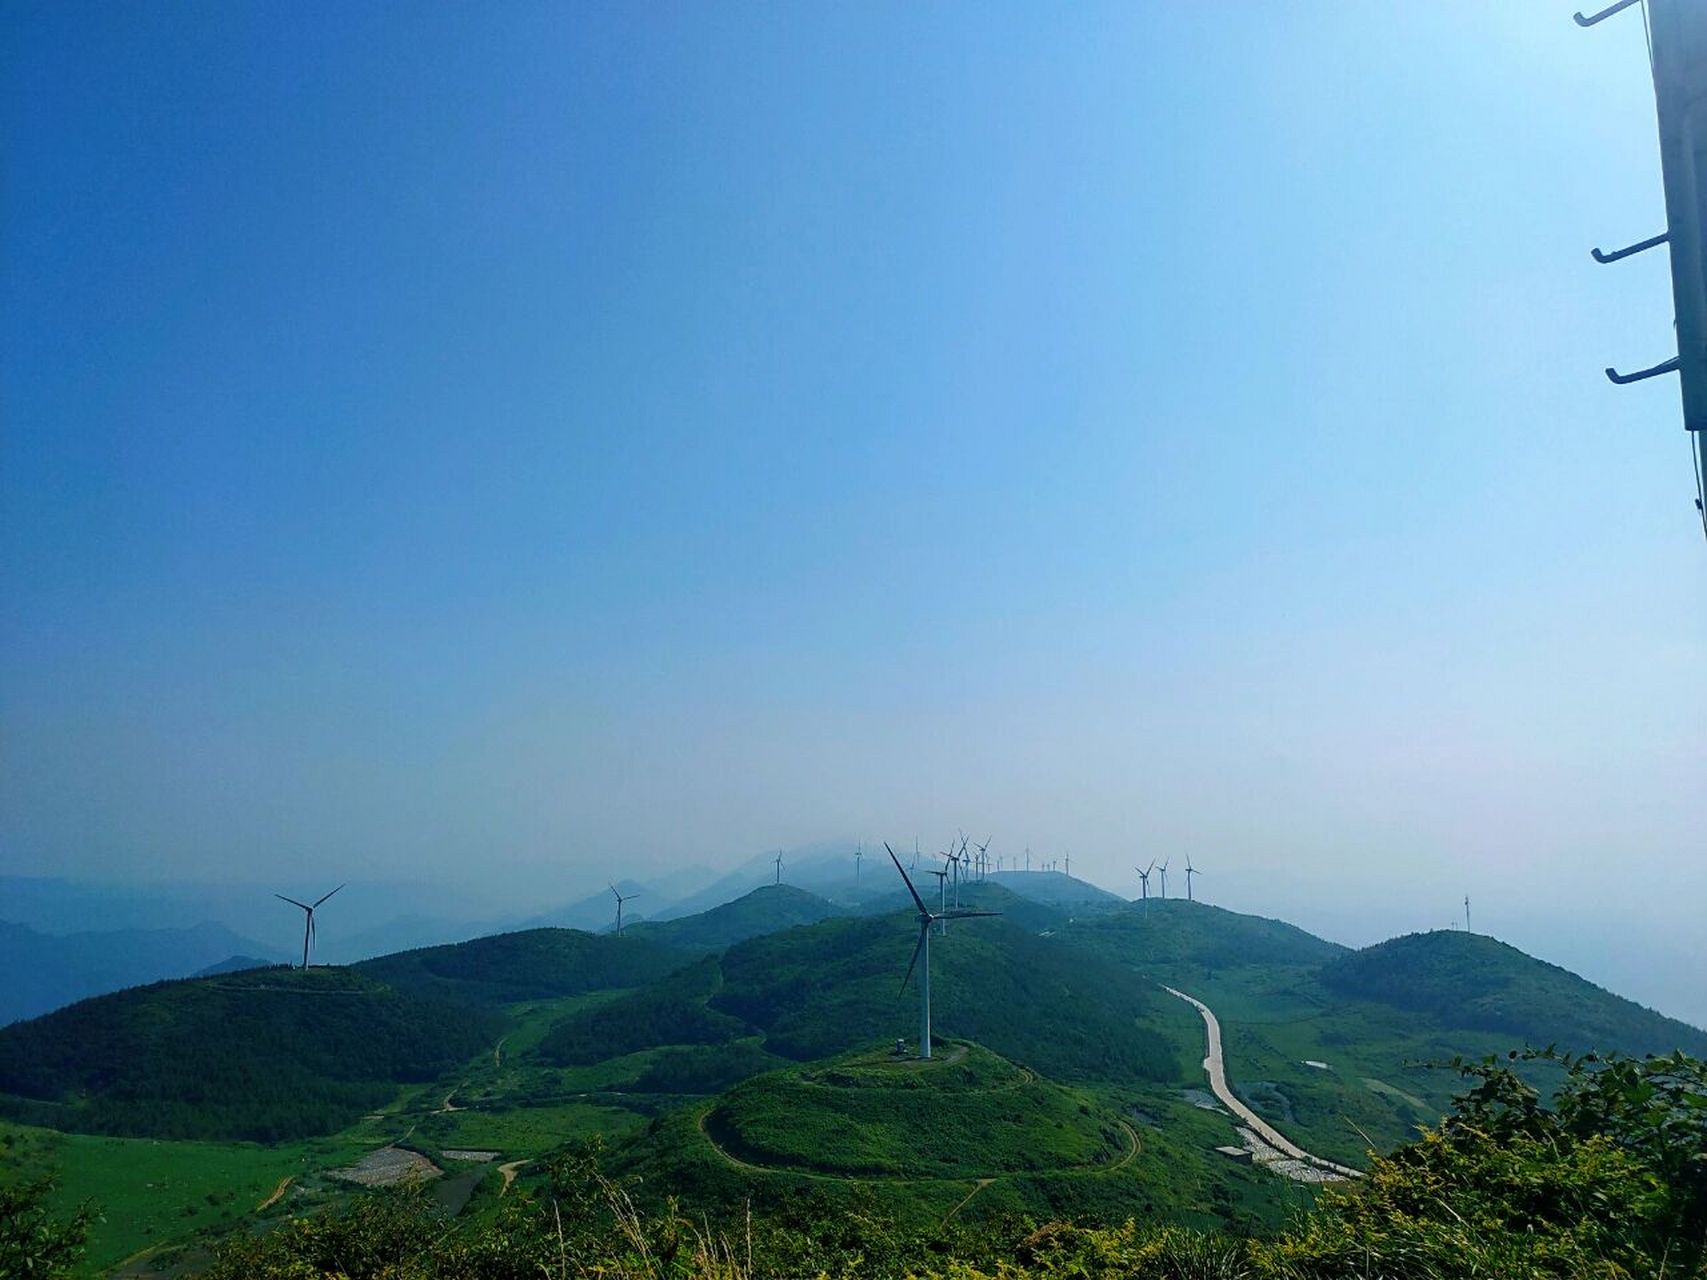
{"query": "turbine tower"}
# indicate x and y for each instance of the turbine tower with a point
(308, 920)
(923, 948)
(779, 866)
(1069, 865)
(1144, 880)
(1164, 870)
(858, 854)
(1190, 871)
(941, 897)
(1466, 913)
(620, 899)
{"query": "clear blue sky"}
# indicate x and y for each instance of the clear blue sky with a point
(497, 443)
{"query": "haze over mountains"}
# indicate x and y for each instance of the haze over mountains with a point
(56, 944)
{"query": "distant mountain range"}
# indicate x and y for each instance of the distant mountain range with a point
(45, 971)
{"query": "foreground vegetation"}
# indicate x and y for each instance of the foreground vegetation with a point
(1609, 1182)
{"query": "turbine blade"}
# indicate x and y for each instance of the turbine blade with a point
(917, 947)
(923, 910)
(293, 902)
(328, 895)
(964, 915)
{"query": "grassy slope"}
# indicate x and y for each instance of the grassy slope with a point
(976, 1137)
(150, 1192)
(968, 1114)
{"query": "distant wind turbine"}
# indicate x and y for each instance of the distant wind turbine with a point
(923, 948)
(858, 854)
(1164, 870)
(1466, 913)
(1069, 864)
(308, 920)
(779, 866)
(620, 899)
(1144, 880)
(1190, 871)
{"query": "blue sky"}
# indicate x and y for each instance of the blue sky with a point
(496, 444)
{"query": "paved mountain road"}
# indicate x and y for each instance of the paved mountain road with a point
(1216, 1068)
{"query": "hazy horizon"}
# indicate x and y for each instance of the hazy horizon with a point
(499, 449)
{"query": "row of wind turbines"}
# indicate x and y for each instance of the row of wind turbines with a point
(967, 860)
(1144, 874)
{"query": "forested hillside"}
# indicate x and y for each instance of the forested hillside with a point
(535, 964)
(1469, 980)
(1172, 931)
(262, 1055)
(834, 986)
(764, 910)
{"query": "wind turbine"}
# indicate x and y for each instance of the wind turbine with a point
(1069, 863)
(620, 899)
(941, 896)
(1190, 871)
(858, 854)
(984, 859)
(1466, 913)
(923, 947)
(1144, 880)
(1164, 870)
(308, 920)
(779, 866)
(955, 859)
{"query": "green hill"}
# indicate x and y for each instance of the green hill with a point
(1173, 931)
(261, 1055)
(1058, 890)
(1467, 980)
(868, 1114)
(764, 910)
(534, 964)
(669, 1012)
(824, 989)
(983, 895)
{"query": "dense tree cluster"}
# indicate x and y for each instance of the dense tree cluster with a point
(1472, 981)
(262, 1056)
(534, 964)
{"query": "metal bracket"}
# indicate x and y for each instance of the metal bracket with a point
(1616, 254)
(1669, 366)
(1603, 15)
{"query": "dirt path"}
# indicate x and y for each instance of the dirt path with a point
(498, 1051)
(509, 1170)
(1216, 1068)
(1131, 1152)
(977, 1187)
(278, 1194)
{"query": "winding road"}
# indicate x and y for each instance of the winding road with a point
(1216, 1068)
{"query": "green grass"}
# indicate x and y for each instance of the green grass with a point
(967, 1115)
(526, 1131)
(153, 1192)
